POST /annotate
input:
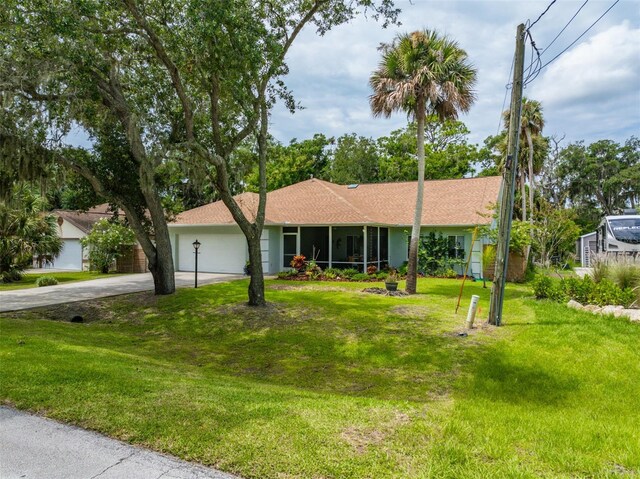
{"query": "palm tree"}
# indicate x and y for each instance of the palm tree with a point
(25, 232)
(531, 125)
(422, 73)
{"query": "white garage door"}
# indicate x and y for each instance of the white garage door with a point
(71, 255)
(219, 253)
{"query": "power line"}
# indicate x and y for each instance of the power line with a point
(533, 74)
(565, 27)
(507, 87)
(581, 35)
(541, 15)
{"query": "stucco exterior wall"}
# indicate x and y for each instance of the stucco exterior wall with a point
(275, 233)
(67, 230)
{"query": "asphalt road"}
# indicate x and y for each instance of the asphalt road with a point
(96, 288)
(32, 447)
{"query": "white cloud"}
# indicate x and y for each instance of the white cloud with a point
(593, 90)
(329, 75)
(605, 65)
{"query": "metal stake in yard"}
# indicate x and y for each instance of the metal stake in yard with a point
(508, 185)
(196, 246)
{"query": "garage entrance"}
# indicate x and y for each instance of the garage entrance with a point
(70, 256)
(219, 253)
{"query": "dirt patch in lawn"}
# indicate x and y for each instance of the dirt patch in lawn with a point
(306, 287)
(271, 315)
(411, 311)
(105, 309)
(384, 292)
(360, 438)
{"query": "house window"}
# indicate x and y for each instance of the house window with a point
(290, 245)
(456, 246)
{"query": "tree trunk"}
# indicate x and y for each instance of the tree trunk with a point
(256, 284)
(163, 272)
(161, 267)
(164, 278)
(159, 256)
(412, 267)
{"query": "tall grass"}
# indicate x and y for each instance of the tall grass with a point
(600, 266)
(623, 270)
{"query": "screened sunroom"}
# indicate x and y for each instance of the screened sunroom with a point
(337, 246)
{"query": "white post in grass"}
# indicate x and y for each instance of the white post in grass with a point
(473, 307)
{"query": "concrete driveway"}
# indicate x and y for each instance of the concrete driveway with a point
(97, 288)
(37, 448)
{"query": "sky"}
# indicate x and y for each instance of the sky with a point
(590, 92)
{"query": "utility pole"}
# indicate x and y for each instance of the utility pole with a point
(508, 185)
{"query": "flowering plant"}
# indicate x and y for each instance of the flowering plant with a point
(299, 262)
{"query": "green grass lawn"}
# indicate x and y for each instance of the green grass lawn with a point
(330, 382)
(29, 280)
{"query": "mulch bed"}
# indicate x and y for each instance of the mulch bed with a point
(384, 292)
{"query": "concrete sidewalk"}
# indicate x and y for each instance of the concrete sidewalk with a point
(97, 288)
(33, 447)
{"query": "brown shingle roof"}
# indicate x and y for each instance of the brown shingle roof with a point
(85, 220)
(317, 202)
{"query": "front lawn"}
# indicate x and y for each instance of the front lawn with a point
(330, 382)
(29, 280)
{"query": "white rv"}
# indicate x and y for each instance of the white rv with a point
(619, 234)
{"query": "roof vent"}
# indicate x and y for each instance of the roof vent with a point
(352, 186)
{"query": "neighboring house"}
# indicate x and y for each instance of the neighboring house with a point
(586, 248)
(341, 226)
(75, 225)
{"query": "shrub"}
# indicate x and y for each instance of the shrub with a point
(545, 287)
(542, 285)
(372, 269)
(578, 289)
(607, 292)
(313, 273)
(105, 242)
(299, 262)
(287, 274)
(584, 290)
(313, 270)
(46, 281)
(436, 256)
(360, 277)
(402, 270)
(335, 272)
(449, 273)
(329, 275)
(11, 275)
(349, 273)
(382, 275)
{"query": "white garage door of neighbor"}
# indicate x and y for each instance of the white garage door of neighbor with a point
(70, 256)
(221, 253)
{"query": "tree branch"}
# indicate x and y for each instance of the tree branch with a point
(156, 43)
